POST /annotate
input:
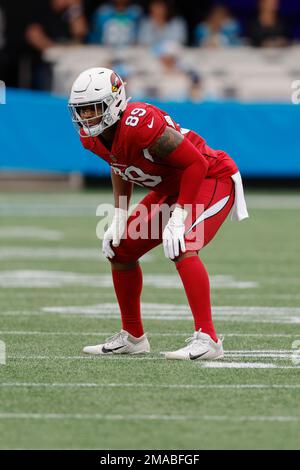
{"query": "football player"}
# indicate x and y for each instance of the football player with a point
(144, 146)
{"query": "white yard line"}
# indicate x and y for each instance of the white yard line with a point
(145, 385)
(167, 335)
(246, 321)
(289, 320)
(275, 356)
(11, 253)
(148, 417)
(259, 351)
(17, 253)
(31, 357)
(179, 311)
(155, 311)
(244, 365)
(28, 279)
(205, 364)
(88, 295)
(264, 296)
(261, 335)
(59, 295)
(25, 231)
(18, 313)
(54, 333)
(49, 210)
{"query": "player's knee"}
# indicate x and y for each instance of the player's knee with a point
(125, 266)
(122, 258)
(122, 261)
(183, 256)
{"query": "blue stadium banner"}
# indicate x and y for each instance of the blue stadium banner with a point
(36, 134)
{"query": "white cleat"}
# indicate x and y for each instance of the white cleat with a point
(200, 347)
(120, 343)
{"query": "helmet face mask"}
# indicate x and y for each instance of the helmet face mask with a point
(97, 101)
(100, 117)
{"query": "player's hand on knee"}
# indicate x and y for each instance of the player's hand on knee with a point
(173, 234)
(106, 244)
(113, 235)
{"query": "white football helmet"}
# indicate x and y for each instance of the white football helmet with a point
(97, 101)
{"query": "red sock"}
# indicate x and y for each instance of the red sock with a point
(196, 284)
(128, 287)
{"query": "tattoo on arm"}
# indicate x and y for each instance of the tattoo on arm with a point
(166, 143)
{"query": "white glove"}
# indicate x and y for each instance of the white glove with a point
(173, 234)
(114, 232)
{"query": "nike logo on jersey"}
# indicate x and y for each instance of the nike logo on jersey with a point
(193, 358)
(151, 124)
(107, 351)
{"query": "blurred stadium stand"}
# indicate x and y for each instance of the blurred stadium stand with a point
(29, 30)
(243, 73)
(237, 96)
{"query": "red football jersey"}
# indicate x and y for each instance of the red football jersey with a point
(139, 127)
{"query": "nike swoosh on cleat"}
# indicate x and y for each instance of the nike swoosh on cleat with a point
(106, 351)
(193, 358)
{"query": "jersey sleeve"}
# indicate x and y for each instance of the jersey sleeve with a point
(142, 131)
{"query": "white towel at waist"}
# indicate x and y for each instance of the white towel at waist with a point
(239, 210)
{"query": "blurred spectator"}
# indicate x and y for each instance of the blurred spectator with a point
(63, 21)
(57, 22)
(11, 38)
(2, 29)
(219, 29)
(3, 55)
(115, 24)
(162, 25)
(268, 30)
(169, 80)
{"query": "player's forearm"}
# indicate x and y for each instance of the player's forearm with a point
(194, 165)
(190, 184)
(122, 191)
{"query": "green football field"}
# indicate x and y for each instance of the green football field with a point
(56, 296)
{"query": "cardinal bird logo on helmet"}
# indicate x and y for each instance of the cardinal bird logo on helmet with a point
(116, 82)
